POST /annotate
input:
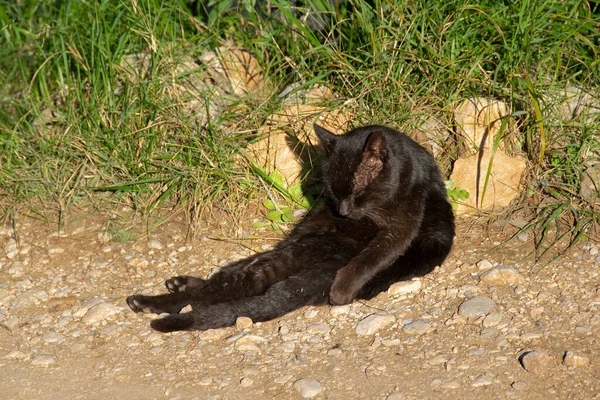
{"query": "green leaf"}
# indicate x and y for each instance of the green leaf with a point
(275, 216)
(269, 205)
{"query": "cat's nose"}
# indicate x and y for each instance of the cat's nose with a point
(344, 208)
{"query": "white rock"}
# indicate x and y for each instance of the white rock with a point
(43, 360)
(11, 249)
(374, 323)
(11, 323)
(336, 311)
(536, 362)
(405, 287)
(476, 307)
(242, 323)
(484, 265)
(492, 319)
(246, 382)
(482, 380)
(155, 244)
(99, 313)
(16, 355)
(502, 275)
(308, 387)
(24, 301)
(395, 396)
(417, 327)
(319, 328)
(573, 360)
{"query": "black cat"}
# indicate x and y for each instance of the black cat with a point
(387, 218)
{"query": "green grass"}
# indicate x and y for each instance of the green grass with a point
(131, 142)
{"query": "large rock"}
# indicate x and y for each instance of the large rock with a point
(478, 122)
(287, 143)
(503, 186)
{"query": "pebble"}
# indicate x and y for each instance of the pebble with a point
(395, 396)
(308, 387)
(337, 311)
(246, 382)
(374, 323)
(476, 307)
(417, 327)
(502, 275)
(24, 301)
(482, 380)
(11, 249)
(537, 362)
(242, 323)
(11, 323)
(320, 328)
(405, 287)
(523, 237)
(484, 265)
(16, 355)
(492, 319)
(571, 359)
(155, 244)
(43, 360)
(99, 313)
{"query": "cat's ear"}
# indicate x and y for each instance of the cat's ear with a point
(373, 160)
(376, 147)
(326, 138)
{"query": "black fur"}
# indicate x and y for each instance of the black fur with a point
(387, 219)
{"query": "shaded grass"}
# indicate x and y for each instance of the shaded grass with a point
(103, 136)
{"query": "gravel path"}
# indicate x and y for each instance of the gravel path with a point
(488, 324)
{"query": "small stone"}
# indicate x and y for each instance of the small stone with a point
(476, 307)
(99, 313)
(452, 385)
(24, 301)
(523, 237)
(43, 360)
(320, 328)
(186, 309)
(405, 287)
(482, 380)
(484, 265)
(502, 275)
(529, 336)
(395, 396)
(16, 355)
(492, 319)
(308, 387)
(311, 313)
(52, 337)
(11, 323)
(242, 323)
(418, 327)
(243, 339)
(246, 382)
(536, 362)
(11, 250)
(374, 323)
(155, 244)
(337, 311)
(571, 359)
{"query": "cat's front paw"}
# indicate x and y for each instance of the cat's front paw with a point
(341, 291)
(179, 284)
(136, 303)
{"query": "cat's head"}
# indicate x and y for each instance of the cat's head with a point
(354, 169)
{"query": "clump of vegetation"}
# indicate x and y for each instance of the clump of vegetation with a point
(74, 129)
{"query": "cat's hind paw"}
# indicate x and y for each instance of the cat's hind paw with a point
(135, 302)
(179, 284)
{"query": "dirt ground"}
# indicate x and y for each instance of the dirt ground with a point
(68, 334)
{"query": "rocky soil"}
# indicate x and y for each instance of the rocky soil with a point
(488, 324)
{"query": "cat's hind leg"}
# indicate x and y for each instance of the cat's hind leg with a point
(309, 287)
(179, 284)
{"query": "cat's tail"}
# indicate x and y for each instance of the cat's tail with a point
(309, 287)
